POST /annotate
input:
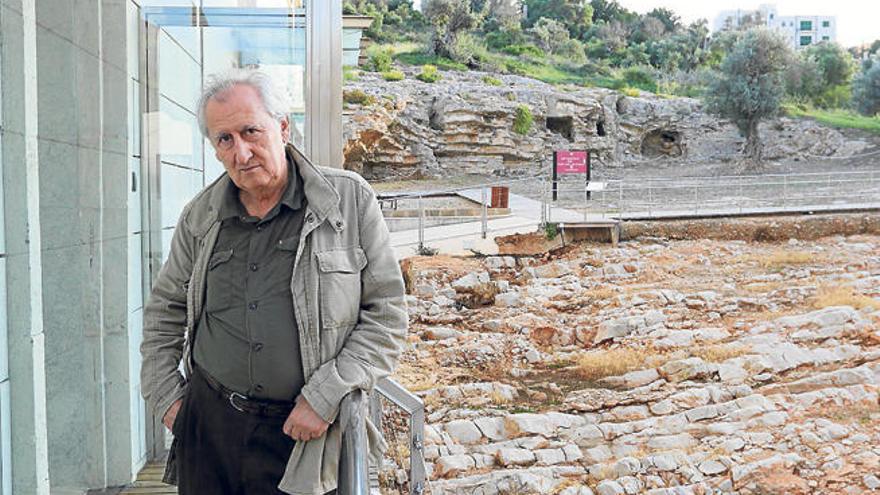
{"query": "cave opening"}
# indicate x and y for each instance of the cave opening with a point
(564, 126)
(662, 143)
(600, 128)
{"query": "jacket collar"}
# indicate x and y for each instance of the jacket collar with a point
(322, 199)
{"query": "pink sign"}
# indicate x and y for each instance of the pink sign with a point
(571, 162)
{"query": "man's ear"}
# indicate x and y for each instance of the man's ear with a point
(285, 129)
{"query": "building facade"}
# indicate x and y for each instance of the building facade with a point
(99, 152)
(798, 30)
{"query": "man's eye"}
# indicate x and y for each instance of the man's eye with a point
(253, 131)
(223, 139)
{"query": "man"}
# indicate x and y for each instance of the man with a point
(281, 294)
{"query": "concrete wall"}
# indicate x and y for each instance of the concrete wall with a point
(65, 167)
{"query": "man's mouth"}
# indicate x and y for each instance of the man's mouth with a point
(249, 168)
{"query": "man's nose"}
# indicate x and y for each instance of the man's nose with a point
(242, 150)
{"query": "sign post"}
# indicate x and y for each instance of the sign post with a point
(570, 162)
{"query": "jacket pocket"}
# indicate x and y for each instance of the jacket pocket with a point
(220, 281)
(339, 283)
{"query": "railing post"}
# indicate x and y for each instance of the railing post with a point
(421, 225)
(620, 201)
(485, 212)
(784, 191)
(354, 469)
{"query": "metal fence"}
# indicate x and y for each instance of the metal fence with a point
(647, 198)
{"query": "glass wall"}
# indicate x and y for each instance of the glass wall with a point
(180, 43)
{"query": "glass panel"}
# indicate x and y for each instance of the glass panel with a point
(806, 25)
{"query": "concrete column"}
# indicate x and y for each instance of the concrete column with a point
(324, 82)
(65, 168)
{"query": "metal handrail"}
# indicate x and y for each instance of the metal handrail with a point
(354, 468)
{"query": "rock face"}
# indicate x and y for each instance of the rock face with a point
(704, 371)
(462, 124)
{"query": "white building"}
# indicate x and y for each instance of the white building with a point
(799, 30)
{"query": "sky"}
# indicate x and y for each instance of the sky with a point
(858, 21)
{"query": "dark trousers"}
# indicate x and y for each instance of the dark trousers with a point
(223, 451)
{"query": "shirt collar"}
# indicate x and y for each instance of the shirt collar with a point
(230, 205)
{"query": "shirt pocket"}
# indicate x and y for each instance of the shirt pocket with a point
(339, 285)
(220, 281)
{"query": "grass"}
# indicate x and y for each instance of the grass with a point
(840, 118)
(632, 92)
(594, 365)
(718, 353)
(780, 258)
(416, 58)
(843, 296)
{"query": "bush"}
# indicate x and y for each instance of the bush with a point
(633, 92)
(491, 81)
(393, 75)
(531, 50)
(468, 49)
(516, 67)
(499, 40)
(380, 59)
(522, 122)
(866, 90)
(350, 73)
(357, 97)
(638, 77)
(834, 97)
(429, 74)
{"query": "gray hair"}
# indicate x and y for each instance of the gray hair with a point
(274, 100)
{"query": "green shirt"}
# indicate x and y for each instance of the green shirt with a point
(247, 337)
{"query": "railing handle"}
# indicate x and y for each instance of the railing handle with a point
(354, 468)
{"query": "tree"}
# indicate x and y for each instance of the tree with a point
(836, 65)
(866, 89)
(575, 15)
(449, 19)
(750, 86)
(610, 10)
(670, 20)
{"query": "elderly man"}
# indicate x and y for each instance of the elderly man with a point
(281, 294)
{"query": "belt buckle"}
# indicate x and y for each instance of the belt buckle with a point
(232, 397)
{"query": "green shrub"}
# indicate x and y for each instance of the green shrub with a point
(522, 122)
(491, 81)
(393, 75)
(350, 73)
(638, 77)
(551, 230)
(834, 97)
(630, 92)
(429, 74)
(524, 50)
(380, 59)
(357, 97)
(516, 67)
(499, 40)
(511, 96)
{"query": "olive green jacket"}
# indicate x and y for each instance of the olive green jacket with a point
(348, 297)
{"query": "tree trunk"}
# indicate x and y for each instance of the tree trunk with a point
(753, 149)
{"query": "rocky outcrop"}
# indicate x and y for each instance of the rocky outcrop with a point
(461, 124)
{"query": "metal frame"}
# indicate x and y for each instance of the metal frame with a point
(414, 406)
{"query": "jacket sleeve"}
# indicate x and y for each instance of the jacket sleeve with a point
(371, 351)
(165, 326)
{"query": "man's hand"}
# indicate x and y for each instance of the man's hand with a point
(171, 414)
(303, 423)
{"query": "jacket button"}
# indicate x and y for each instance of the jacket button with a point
(258, 347)
(339, 224)
(252, 306)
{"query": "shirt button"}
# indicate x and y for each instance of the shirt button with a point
(257, 347)
(259, 228)
(253, 267)
(252, 306)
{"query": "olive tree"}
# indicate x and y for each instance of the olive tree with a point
(449, 20)
(866, 89)
(750, 86)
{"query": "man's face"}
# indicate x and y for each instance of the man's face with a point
(248, 141)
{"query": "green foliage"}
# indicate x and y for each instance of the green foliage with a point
(429, 74)
(357, 97)
(530, 50)
(469, 50)
(630, 92)
(393, 75)
(523, 119)
(392, 20)
(551, 230)
(836, 65)
(449, 20)
(380, 58)
(866, 90)
(838, 96)
(639, 77)
(506, 37)
(575, 16)
(511, 96)
(750, 85)
(492, 81)
(350, 73)
(836, 117)
(411, 58)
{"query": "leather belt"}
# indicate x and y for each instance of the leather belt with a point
(245, 404)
